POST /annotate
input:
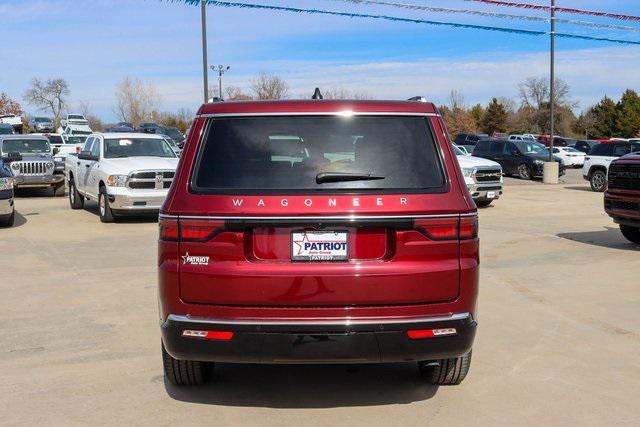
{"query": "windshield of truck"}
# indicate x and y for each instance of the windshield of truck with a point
(136, 147)
(55, 139)
(42, 120)
(528, 147)
(75, 117)
(25, 146)
(319, 153)
(75, 139)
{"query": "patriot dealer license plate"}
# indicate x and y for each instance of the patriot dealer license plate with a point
(319, 246)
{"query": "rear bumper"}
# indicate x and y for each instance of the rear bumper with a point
(341, 341)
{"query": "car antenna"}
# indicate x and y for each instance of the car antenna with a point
(317, 94)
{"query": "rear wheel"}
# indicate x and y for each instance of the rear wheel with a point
(524, 172)
(632, 234)
(598, 181)
(106, 215)
(483, 203)
(446, 371)
(75, 198)
(185, 372)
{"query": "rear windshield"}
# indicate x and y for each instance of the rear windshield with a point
(282, 154)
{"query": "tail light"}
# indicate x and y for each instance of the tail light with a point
(189, 230)
(208, 335)
(418, 334)
(463, 228)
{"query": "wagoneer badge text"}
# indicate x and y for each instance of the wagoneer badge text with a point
(331, 202)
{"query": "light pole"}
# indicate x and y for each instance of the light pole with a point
(221, 69)
(205, 77)
(550, 168)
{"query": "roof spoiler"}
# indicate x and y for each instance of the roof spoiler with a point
(418, 99)
(317, 94)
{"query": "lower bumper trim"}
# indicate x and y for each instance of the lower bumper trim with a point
(344, 341)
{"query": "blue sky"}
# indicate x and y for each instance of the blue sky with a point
(94, 44)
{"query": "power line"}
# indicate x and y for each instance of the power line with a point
(489, 14)
(230, 4)
(560, 9)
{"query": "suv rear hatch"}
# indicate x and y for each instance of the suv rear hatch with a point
(321, 173)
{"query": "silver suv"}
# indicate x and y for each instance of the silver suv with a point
(31, 163)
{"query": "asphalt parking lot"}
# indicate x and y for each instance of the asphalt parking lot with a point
(558, 341)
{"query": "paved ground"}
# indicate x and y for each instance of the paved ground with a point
(558, 342)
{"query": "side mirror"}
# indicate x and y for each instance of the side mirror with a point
(86, 155)
(56, 150)
(13, 156)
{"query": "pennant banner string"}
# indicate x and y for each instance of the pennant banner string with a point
(489, 14)
(233, 4)
(560, 9)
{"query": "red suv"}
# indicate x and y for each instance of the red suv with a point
(622, 198)
(318, 232)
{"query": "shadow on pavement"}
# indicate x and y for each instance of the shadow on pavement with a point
(308, 386)
(608, 238)
(580, 188)
(19, 220)
(34, 192)
(92, 207)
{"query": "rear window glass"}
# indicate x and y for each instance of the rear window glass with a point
(602, 150)
(55, 139)
(295, 153)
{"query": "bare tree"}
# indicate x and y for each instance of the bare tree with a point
(343, 93)
(49, 96)
(456, 100)
(534, 92)
(136, 100)
(269, 87)
(235, 93)
(9, 105)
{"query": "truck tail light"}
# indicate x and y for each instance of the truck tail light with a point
(189, 230)
(463, 228)
(418, 334)
(208, 335)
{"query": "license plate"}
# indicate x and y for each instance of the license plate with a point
(319, 246)
(491, 194)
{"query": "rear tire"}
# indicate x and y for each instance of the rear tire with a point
(76, 200)
(598, 181)
(483, 203)
(524, 172)
(104, 210)
(446, 371)
(185, 372)
(632, 234)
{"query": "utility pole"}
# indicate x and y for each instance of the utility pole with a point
(205, 77)
(221, 69)
(551, 168)
(552, 78)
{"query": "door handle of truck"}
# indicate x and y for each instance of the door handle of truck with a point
(78, 163)
(86, 166)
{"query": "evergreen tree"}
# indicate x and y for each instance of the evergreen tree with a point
(605, 115)
(628, 115)
(477, 113)
(495, 118)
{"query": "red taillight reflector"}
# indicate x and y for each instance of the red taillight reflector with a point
(208, 335)
(418, 334)
(438, 228)
(199, 230)
(468, 227)
(169, 229)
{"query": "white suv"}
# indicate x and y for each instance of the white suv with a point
(596, 164)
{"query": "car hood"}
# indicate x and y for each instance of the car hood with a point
(470, 162)
(127, 164)
(30, 157)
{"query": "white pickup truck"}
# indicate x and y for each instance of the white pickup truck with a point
(75, 124)
(483, 177)
(126, 173)
(13, 120)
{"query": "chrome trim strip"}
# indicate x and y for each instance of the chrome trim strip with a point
(345, 322)
(318, 218)
(346, 113)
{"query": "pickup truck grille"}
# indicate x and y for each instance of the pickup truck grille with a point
(624, 176)
(33, 168)
(488, 175)
(150, 180)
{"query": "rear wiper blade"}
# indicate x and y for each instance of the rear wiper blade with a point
(323, 177)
